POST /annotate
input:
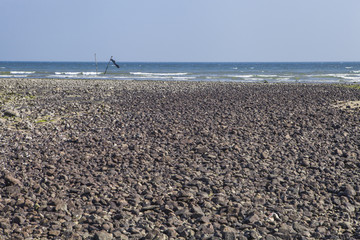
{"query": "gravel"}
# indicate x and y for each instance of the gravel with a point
(86, 159)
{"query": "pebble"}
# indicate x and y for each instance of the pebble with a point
(54, 233)
(120, 236)
(11, 113)
(349, 191)
(229, 233)
(103, 235)
(18, 220)
(206, 228)
(9, 179)
(252, 218)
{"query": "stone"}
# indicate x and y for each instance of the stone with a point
(18, 220)
(206, 228)
(264, 155)
(286, 229)
(150, 207)
(183, 213)
(9, 179)
(252, 218)
(252, 234)
(106, 227)
(197, 211)
(305, 162)
(120, 236)
(54, 233)
(270, 237)
(11, 113)
(321, 230)
(60, 206)
(299, 228)
(103, 235)
(204, 219)
(171, 232)
(201, 149)
(13, 190)
(229, 236)
(153, 234)
(229, 233)
(29, 203)
(161, 236)
(221, 200)
(4, 224)
(346, 225)
(349, 191)
(221, 156)
(338, 152)
(349, 207)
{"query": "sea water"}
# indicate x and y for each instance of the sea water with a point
(291, 72)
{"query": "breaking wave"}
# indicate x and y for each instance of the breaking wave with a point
(21, 72)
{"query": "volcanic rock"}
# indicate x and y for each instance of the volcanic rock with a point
(92, 159)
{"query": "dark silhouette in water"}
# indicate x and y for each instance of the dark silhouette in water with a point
(115, 63)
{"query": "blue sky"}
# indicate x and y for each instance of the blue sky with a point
(180, 30)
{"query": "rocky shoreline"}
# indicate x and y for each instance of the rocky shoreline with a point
(87, 159)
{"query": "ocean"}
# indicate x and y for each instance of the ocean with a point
(289, 72)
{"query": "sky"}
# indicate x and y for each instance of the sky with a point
(180, 30)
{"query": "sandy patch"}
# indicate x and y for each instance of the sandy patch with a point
(347, 105)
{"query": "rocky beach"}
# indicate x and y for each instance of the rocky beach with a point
(91, 159)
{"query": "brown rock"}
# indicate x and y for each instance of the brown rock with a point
(9, 179)
(103, 235)
(54, 233)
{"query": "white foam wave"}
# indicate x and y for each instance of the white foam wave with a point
(152, 77)
(123, 77)
(67, 73)
(13, 76)
(78, 73)
(21, 72)
(356, 71)
(176, 78)
(337, 75)
(348, 67)
(240, 76)
(74, 76)
(183, 78)
(352, 77)
(158, 74)
(268, 76)
(91, 73)
(59, 76)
